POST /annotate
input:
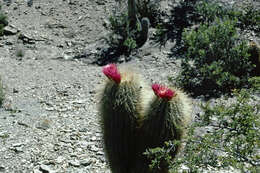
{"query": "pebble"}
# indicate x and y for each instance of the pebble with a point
(2, 168)
(43, 124)
(86, 162)
(10, 30)
(17, 144)
(60, 159)
(46, 169)
(22, 124)
(75, 163)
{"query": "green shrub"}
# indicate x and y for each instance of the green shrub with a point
(160, 157)
(209, 11)
(248, 17)
(231, 139)
(188, 13)
(216, 59)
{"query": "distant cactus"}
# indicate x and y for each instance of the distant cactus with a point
(121, 108)
(144, 31)
(133, 20)
(166, 120)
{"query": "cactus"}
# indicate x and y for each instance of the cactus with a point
(134, 23)
(132, 14)
(144, 29)
(166, 119)
(122, 103)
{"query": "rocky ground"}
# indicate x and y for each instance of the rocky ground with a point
(49, 120)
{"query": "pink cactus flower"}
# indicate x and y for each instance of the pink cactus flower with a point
(163, 91)
(112, 73)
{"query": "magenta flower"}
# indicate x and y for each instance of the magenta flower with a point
(112, 73)
(163, 91)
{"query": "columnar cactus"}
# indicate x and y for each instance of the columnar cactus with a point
(122, 103)
(132, 13)
(166, 119)
(144, 32)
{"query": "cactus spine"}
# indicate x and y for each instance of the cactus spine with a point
(121, 108)
(166, 119)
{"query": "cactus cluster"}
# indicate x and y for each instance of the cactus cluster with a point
(136, 117)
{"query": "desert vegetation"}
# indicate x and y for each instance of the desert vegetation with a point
(216, 60)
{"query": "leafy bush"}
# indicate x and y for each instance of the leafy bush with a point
(231, 139)
(209, 11)
(3, 22)
(248, 17)
(216, 59)
(188, 13)
(160, 158)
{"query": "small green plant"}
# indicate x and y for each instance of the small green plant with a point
(216, 59)
(130, 44)
(231, 139)
(160, 157)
